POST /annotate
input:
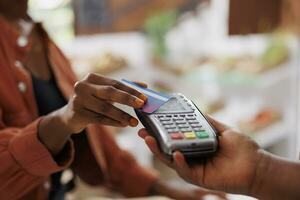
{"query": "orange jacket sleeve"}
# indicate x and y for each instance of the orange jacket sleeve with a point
(123, 172)
(25, 161)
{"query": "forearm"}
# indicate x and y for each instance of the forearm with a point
(277, 178)
(53, 133)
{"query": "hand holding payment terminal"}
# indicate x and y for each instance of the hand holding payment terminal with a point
(179, 125)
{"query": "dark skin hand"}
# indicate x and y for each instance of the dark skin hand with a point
(93, 96)
(91, 103)
(239, 166)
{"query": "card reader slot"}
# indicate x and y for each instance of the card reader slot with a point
(195, 149)
(197, 153)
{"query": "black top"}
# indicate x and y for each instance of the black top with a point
(47, 95)
(49, 98)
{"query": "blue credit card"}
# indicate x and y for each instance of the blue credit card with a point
(155, 99)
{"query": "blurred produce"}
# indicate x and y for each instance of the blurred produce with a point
(104, 63)
(247, 64)
(108, 63)
(174, 69)
(261, 120)
(276, 53)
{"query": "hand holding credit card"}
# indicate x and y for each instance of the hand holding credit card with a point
(155, 99)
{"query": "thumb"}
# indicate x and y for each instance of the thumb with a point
(219, 126)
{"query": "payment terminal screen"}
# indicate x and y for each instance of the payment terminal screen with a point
(171, 105)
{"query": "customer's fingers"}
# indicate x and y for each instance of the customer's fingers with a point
(107, 109)
(219, 126)
(100, 80)
(93, 117)
(130, 90)
(142, 84)
(112, 94)
(109, 122)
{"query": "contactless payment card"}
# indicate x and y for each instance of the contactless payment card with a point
(155, 99)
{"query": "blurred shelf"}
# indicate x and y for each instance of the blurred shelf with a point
(275, 76)
(263, 80)
(272, 135)
(230, 80)
(266, 137)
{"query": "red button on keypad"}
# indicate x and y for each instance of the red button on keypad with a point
(176, 136)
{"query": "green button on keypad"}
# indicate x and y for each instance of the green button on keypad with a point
(202, 134)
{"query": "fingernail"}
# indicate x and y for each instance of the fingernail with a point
(133, 122)
(139, 103)
(143, 97)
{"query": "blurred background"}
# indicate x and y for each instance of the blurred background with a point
(238, 60)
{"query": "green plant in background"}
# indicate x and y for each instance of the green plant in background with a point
(156, 28)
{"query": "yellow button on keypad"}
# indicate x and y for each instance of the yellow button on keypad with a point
(190, 135)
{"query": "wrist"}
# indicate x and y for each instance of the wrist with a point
(53, 133)
(58, 119)
(61, 118)
(72, 124)
(261, 173)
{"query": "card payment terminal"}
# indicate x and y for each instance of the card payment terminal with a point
(179, 125)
